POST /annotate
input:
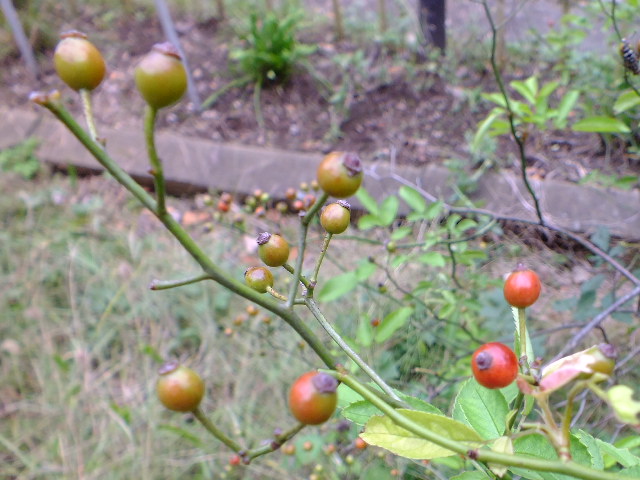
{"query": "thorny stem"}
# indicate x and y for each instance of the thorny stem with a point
(87, 107)
(209, 267)
(273, 445)
(481, 454)
(514, 133)
(215, 431)
(371, 373)
(156, 165)
(167, 284)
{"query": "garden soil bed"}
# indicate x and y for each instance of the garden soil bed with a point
(395, 110)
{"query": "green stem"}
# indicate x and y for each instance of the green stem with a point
(323, 251)
(167, 284)
(87, 107)
(302, 245)
(215, 431)
(275, 444)
(275, 294)
(150, 115)
(522, 333)
(292, 270)
(517, 405)
(371, 373)
(483, 455)
(208, 266)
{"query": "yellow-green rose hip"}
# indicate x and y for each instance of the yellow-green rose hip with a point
(161, 77)
(78, 62)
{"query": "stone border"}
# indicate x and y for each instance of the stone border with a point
(193, 164)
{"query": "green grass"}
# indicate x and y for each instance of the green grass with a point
(81, 337)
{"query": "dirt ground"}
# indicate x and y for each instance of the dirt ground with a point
(416, 112)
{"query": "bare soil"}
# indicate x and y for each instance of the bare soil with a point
(400, 108)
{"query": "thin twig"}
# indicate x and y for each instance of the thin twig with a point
(514, 133)
(577, 338)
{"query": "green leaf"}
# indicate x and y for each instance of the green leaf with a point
(465, 224)
(364, 334)
(633, 472)
(434, 210)
(365, 270)
(538, 446)
(382, 432)
(360, 412)
(501, 445)
(482, 409)
(433, 259)
(625, 101)
(419, 404)
(412, 198)
(500, 127)
(347, 396)
(470, 476)
(566, 105)
(528, 88)
(392, 322)
(600, 124)
(484, 127)
(368, 221)
(613, 455)
(401, 232)
(388, 210)
(367, 201)
(547, 89)
(338, 286)
(496, 98)
(591, 444)
(620, 397)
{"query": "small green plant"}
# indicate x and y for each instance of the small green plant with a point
(271, 49)
(535, 110)
(269, 54)
(21, 159)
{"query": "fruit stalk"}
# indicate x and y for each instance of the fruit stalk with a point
(150, 115)
(215, 431)
(167, 284)
(323, 251)
(302, 242)
(87, 107)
